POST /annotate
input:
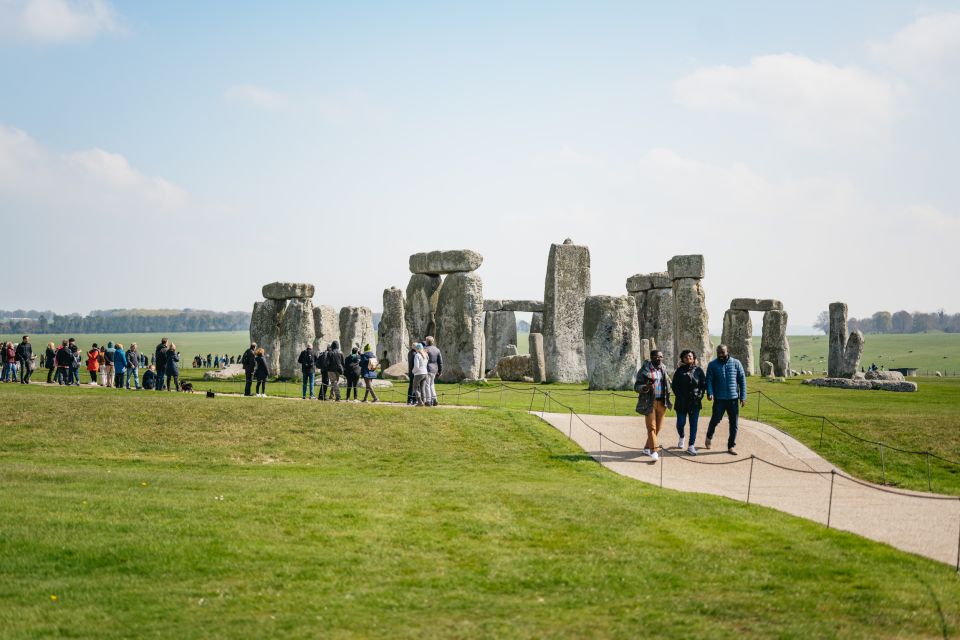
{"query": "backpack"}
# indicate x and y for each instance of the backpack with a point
(372, 363)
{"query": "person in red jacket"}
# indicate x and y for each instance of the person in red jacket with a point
(93, 362)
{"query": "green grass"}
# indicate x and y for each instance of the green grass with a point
(353, 521)
(188, 344)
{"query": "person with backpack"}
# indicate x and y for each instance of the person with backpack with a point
(689, 385)
(160, 362)
(249, 362)
(260, 372)
(50, 361)
(119, 365)
(351, 370)
(75, 359)
(24, 355)
(368, 369)
(133, 366)
(172, 359)
(308, 365)
(93, 363)
(334, 363)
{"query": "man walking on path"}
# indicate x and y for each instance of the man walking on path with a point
(727, 388)
(653, 400)
(25, 358)
(249, 362)
(308, 364)
(334, 362)
(434, 369)
(160, 362)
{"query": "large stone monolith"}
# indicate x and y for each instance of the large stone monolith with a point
(420, 308)
(537, 365)
(440, 262)
(326, 327)
(566, 288)
(843, 358)
(265, 330)
(774, 346)
(356, 327)
(612, 341)
(499, 330)
(459, 331)
(287, 290)
(690, 318)
(536, 323)
(296, 332)
(852, 353)
(658, 318)
(392, 342)
(738, 336)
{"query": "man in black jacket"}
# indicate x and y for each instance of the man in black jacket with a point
(334, 363)
(74, 362)
(25, 358)
(64, 359)
(307, 365)
(321, 356)
(160, 362)
(411, 397)
(249, 362)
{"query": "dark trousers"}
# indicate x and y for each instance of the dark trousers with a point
(118, 379)
(74, 376)
(732, 409)
(249, 383)
(159, 386)
(93, 375)
(262, 386)
(352, 384)
(411, 396)
(324, 384)
(368, 383)
(175, 377)
(50, 374)
(25, 372)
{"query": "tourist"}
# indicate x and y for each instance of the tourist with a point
(324, 373)
(50, 361)
(216, 362)
(368, 369)
(150, 378)
(411, 355)
(689, 384)
(133, 364)
(24, 354)
(173, 369)
(727, 388)
(160, 360)
(102, 362)
(93, 363)
(351, 370)
(249, 362)
(260, 371)
(74, 361)
(654, 399)
(64, 359)
(308, 365)
(119, 365)
(419, 372)
(334, 362)
(9, 363)
(434, 369)
(109, 366)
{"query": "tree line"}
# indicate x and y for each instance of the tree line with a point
(123, 321)
(898, 322)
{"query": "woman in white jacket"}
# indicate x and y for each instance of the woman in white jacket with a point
(419, 373)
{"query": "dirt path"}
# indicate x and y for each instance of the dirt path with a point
(929, 527)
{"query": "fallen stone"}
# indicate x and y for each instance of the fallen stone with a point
(766, 369)
(442, 262)
(227, 373)
(690, 266)
(567, 286)
(867, 385)
(396, 371)
(287, 290)
(884, 375)
(611, 336)
(513, 368)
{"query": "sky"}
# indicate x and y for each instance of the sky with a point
(183, 154)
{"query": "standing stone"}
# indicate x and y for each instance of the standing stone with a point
(265, 330)
(392, 342)
(640, 299)
(296, 332)
(612, 342)
(774, 346)
(690, 328)
(537, 365)
(566, 288)
(659, 312)
(843, 360)
(356, 327)
(738, 336)
(851, 354)
(536, 323)
(766, 369)
(459, 331)
(499, 330)
(645, 350)
(326, 326)
(420, 308)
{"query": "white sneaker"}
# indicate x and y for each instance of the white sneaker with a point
(692, 450)
(680, 444)
(646, 452)
(654, 456)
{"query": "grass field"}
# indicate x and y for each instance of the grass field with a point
(157, 515)
(188, 344)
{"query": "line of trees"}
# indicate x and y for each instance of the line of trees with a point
(898, 322)
(123, 321)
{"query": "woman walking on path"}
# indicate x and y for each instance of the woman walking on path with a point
(368, 369)
(50, 362)
(653, 400)
(261, 372)
(351, 369)
(689, 385)
(93, 362)
(419, 375)
(173, 369)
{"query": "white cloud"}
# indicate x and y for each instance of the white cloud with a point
(929, 218)
(56, 21)
(257, 96)
(810, 101)
(927, 49)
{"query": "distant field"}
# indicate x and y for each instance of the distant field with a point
(189, 344)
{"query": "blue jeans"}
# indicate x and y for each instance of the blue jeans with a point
(9, 372)
(308, 378)
(682, 416)
(74, 377)
(133, 373)
(732, 409)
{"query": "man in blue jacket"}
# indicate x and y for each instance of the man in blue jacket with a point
(727, 388)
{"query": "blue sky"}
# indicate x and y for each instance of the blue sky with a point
(809, 152)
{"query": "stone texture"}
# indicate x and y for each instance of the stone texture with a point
(852, 353)
(511, 350)
(326, 327)
(690, 266)
(639, 282)
(884, 375)
(296, 332)
(766, 369)
(838, 339)
(523, 306)
(755, 304)
(661, 280)
(493, 305)
(396, 371)
(265, 330)
(738, 336)
(774, 346)
(645, 350)
(460, 327)
(392, 342)
(227, 373)
(863, 385)
(566, 286)
(536, 323)
(420, 308)
(658, 324)
(611, 336)
(537, 364)
(440, 262)
(499, 330)
(356, 328)
(287, 290)
(690, 328)
(514, 368)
